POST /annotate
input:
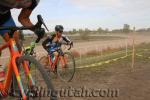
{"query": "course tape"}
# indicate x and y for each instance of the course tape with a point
(111, 60)
(103, 62)
(102, 56)
(140, 55)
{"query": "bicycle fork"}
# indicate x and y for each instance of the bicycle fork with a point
(19, 78)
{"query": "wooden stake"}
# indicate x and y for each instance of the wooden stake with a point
(133, 50)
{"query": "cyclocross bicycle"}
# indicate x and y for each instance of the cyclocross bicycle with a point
(59, 62)
(27, 80)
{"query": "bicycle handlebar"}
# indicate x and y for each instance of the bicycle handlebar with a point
(40, 19)
(15, 28)
(70, 45)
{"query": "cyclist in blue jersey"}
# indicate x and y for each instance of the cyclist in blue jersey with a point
(50, 42)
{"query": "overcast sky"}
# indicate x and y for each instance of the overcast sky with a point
(92, 13)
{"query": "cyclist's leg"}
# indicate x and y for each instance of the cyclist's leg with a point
(4, 33)
(8, 22)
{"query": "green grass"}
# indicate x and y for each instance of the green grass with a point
(95, 59)
(143, 49)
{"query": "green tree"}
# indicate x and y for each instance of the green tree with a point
(148, 29)
(106, 30)
(74, 31)
(81, 31)
(100, 30)
(126, 28)
(87, 30)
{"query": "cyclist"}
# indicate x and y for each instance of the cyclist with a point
(58, 36)
(6, 19)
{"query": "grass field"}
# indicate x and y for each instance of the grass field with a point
(97, 57)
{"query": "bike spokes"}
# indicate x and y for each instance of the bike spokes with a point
(66, 67)
(30, 83)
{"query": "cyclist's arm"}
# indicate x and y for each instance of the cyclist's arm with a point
(66, 39)
(24, 17)
(45, 42)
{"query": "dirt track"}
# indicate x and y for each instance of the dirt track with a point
(132, 85)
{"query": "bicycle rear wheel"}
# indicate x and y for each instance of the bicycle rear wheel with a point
(66, 72)
(43, 86)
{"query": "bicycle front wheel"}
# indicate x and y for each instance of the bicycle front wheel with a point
(42, 83)
(66, 72)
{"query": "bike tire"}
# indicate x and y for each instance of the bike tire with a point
(59, 69)
(41, 70)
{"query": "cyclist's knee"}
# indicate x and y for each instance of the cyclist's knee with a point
(16, 36)
(5, 37)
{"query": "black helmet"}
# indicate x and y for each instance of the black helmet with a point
(59, 28)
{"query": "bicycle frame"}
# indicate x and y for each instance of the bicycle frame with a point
(57, 58)
(12, 68)
(30, 49)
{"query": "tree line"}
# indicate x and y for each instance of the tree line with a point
(125, 29)
(84, 32)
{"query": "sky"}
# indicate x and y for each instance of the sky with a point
(92, 14)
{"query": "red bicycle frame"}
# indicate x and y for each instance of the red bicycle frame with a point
(58, 57)
(12, 67)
